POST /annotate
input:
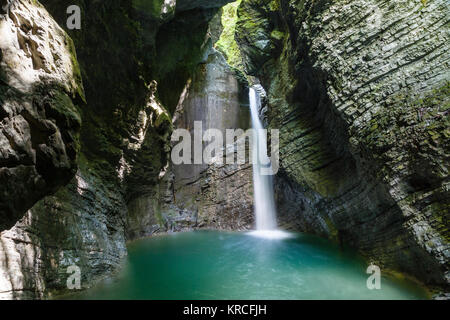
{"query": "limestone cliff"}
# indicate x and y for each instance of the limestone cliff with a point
(358, 88)
(360, 92)
(40, 88)
(192, 196)
(129, 54)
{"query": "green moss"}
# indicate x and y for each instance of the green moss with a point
(258, 33)
(62, 108)
(333, 232)
(76, 69)
(408, 138)
(275, 5)
(227, 44)
(153, 7)
(277, 35)
(163, 118)
(440, 221)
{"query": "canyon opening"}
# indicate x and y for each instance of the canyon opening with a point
(213, 150)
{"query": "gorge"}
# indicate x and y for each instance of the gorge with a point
(358, 89)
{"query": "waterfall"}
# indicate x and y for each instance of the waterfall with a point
(265, 211)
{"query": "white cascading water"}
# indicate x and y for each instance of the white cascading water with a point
(263, 189)
(265, 212)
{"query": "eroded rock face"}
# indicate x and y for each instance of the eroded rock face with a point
(359, 90)
(81, 225)
(212, 98)
(130, 52)
(84, 223)
(194, 196)
(40, 85)
(218, 196)
(221, 198)
(184, 5)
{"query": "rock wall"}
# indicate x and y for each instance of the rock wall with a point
(219, 195)
(128, 53)
(191, 196)
(220, 198)
(359, 90)
(40, 86)
(212, 98)
(81, 225)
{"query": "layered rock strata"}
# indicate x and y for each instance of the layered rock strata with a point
(360, 93)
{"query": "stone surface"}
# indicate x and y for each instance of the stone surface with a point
(192, 196)
(212, 97)
(218, 196)
(226, 44)
(359, 90)
(128, 53)
(81, 225)
(40, 86)
(184, 5)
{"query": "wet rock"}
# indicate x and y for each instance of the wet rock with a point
(359, 91)
(211, 191)
(81, 225)
(40, 88)
(124, 141)
(184, 5)
(253, 34)
(192, 196)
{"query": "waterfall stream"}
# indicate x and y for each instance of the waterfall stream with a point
(265, 211)
(263, 188)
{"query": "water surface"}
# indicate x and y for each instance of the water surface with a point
(227, 265)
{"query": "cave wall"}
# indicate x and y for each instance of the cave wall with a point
(359, 91)
(82, 224)
(212, 98)
(124, 51)
(191, 196)
(219, 196)
(41, 93)
(194, 196)
(40, 90)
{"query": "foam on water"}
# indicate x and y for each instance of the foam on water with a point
(271, 234)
